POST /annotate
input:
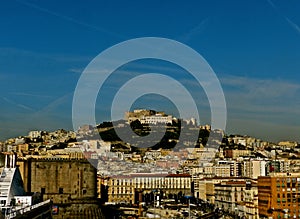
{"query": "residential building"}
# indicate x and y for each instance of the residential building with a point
(248, 207)
(236, 153)
(222, 170)
(279, 195)
(204, 188)
(253, 168)
(229, 194)
(235, 168)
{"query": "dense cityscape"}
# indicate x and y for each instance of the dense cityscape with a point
(92, 173)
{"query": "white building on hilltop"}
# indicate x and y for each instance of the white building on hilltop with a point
(156, 119)
(148, 117)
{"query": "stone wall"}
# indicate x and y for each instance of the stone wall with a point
(70, 183)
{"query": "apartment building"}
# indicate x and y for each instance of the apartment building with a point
(229, 194)
(236, 153)
(253, 168)
(248, 207)
(279, 195)
(234, 168)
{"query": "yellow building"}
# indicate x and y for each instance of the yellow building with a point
(278, 195)
(136, 187)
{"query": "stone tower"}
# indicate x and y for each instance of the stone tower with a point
(70, 183)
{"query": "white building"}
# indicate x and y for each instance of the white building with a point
(35, 134)
(156, 119)
(254, 167)
(11, 183)
(148, 117)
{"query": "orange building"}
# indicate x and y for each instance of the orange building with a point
(279, 195)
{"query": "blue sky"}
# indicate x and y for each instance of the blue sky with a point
(253, 47)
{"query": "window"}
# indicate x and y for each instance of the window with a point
(60, 190)
(84, 191)
(43, 190)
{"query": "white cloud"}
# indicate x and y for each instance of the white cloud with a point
(290, 22)
(17, 104)
(254, 103)
(293, 25)
(30, 94)
(7, 52)
(199, 28)
(260, 88)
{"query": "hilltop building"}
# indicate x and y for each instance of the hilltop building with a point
(148, 117)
